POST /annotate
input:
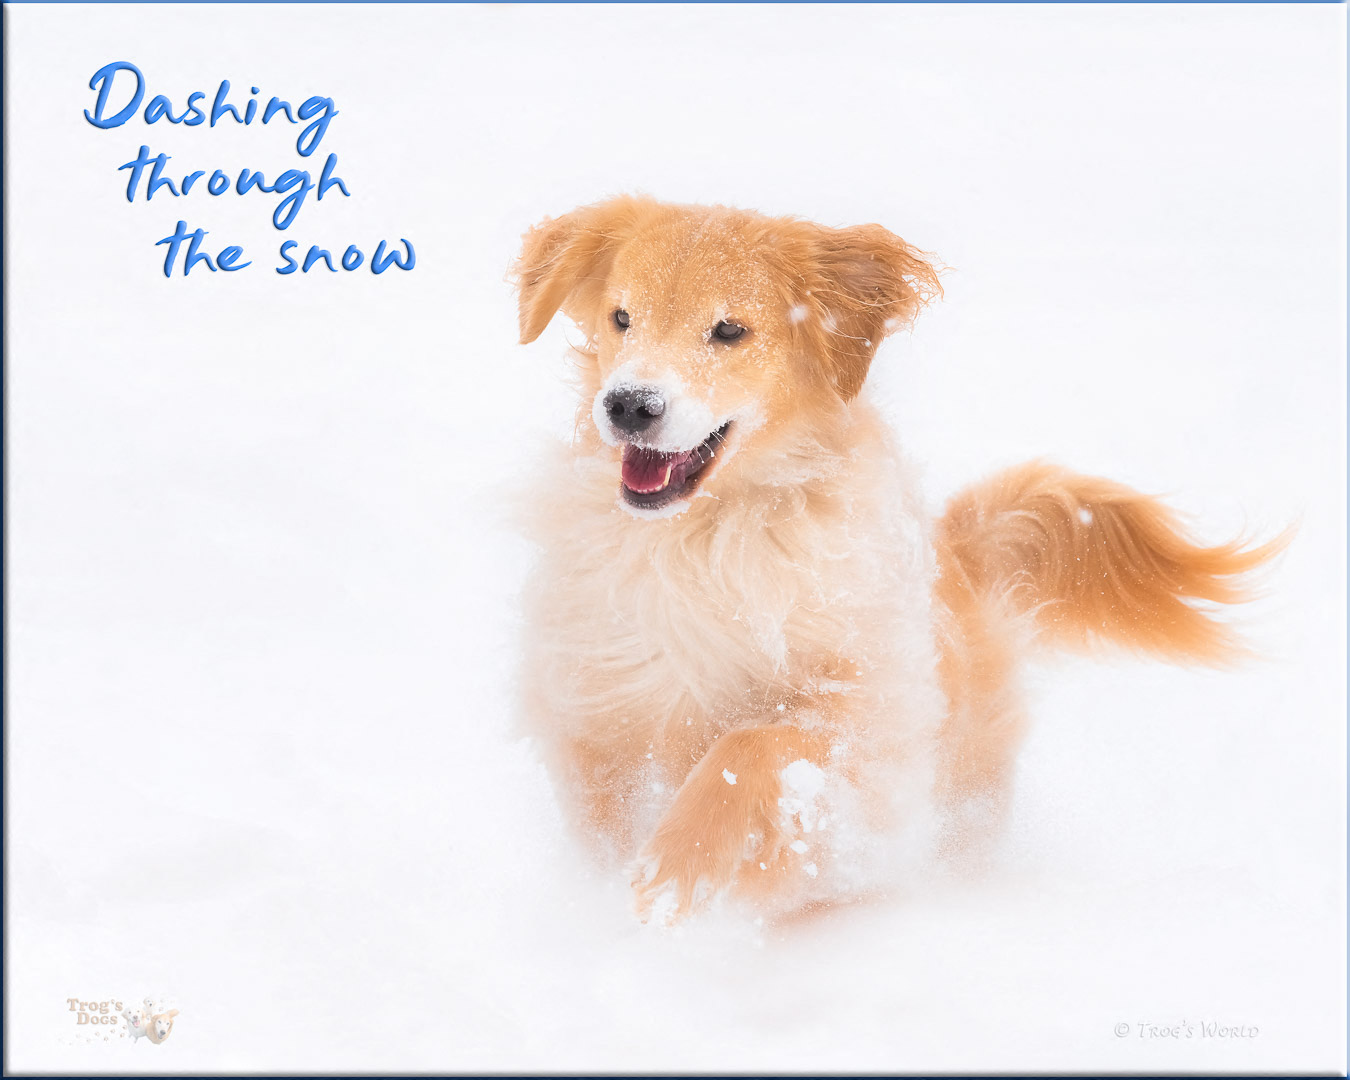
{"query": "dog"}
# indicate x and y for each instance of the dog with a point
(159, 1027)
(755, 665)
(138, 1023)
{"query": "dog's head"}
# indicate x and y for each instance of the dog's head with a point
(713, 333)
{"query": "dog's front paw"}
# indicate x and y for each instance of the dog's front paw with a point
(674, 879)
(729, 816)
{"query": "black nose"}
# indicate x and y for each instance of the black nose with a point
(634, 408)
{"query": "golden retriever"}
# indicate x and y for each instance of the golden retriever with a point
(755, 666)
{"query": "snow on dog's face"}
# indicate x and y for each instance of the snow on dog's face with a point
(715, 337)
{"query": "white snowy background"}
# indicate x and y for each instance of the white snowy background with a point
(261, 634)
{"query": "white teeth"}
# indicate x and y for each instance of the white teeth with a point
(666, 482)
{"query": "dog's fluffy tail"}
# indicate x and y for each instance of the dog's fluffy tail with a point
(1092, 561)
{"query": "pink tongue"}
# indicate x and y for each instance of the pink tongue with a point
(645, 471)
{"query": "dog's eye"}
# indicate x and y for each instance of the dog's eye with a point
(726, 331)
(621, 319)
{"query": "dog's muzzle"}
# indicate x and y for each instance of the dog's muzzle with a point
(633, 410)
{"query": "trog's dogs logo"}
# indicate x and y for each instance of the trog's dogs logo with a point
(147, 1020)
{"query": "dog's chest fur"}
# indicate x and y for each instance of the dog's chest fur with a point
(737, 611)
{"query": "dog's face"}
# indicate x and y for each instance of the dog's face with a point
(134, 1017)
(162, 1028)
(713, 334)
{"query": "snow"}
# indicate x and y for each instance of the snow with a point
(262, 582)
(802, 779)
(803, 784)
(728, 776)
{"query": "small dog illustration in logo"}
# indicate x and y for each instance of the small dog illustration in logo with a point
(159, 1027)
(137, 1020)
(149, 1020)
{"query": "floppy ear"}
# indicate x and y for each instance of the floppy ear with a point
(565, 261)
(868, 283)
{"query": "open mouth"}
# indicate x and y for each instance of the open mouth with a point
(653, 478)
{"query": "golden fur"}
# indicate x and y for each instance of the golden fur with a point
(160, 1026)
(782, 686)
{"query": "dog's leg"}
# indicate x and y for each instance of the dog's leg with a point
(727, 814)
(981, 649)
(601, 786)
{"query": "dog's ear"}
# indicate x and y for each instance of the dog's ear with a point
(565, 261)
(867, 284)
